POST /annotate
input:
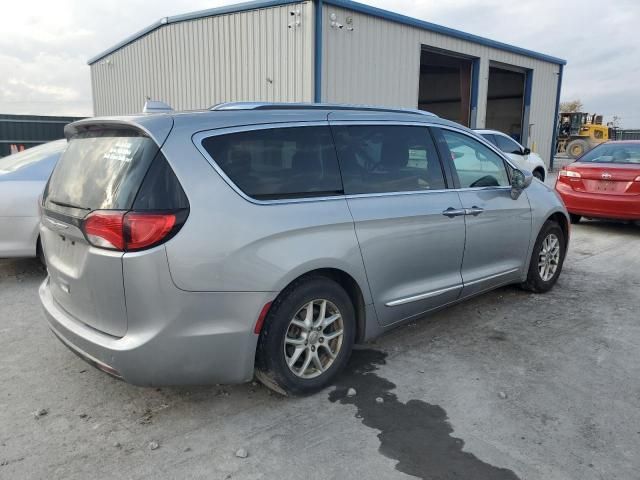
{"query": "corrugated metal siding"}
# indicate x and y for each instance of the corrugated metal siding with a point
(378, 63)
(30, 130)
(246, 56)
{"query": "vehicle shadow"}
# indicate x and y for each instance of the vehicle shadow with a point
(611, 226)
(21, 268)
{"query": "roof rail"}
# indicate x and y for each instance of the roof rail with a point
(312, 106)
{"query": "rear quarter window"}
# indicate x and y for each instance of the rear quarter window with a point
(278, 163)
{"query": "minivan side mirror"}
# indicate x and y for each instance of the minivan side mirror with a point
(520, 179)
(526, 151)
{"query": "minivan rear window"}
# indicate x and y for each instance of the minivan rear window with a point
(100, 170)
(278, 163)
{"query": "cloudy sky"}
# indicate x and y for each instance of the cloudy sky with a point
(45, 44)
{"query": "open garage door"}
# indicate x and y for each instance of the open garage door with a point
(445, 85)
(506, 102)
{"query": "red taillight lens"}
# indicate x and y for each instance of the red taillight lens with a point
(105, 229)
(128, 231)
(146, 229)
(569, 173)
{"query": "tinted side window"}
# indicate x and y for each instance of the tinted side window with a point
(507, 145)
(279, 162)
(378, 159)
(475, 164)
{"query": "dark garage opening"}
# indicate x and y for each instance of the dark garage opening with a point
(505, 101)
(445, 85)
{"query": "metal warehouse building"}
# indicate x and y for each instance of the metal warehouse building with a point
(331, 51)
(18, 132)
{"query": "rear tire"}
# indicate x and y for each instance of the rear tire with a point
(547, 258)
(575, 218)
(577, 148)
(317, 345)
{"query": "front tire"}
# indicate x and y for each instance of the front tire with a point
(547, 258)
(539, 174)
(577, 148)
(307, 337)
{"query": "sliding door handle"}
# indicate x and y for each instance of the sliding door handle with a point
(475, 211)
(454, 212)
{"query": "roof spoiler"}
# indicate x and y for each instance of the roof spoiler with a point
(155, 106)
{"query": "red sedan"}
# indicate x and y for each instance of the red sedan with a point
(603, 183)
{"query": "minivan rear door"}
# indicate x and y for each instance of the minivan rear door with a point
(102, 169)
(409, 226)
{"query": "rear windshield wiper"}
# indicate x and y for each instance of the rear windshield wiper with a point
(65, 204)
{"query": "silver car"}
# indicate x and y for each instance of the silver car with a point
(267, 239)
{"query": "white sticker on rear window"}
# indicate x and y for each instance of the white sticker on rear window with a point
(120, 152)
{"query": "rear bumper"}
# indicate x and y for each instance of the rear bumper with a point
(202, 338)
(622, 207)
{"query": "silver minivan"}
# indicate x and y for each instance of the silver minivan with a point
(206, 247)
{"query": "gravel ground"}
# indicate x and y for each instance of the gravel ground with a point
(508, 385)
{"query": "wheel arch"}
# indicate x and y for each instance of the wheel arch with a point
(349, 284)
(542, 172)
(544, 208)
(562, 220)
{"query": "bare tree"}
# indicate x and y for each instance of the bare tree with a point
(571, 106)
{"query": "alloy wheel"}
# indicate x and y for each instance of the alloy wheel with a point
(549, 257)
(314, 338)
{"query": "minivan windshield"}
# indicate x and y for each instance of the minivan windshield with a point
(100, 170)
(613, 153)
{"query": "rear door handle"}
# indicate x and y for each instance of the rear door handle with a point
(475, 211)
(454, 212)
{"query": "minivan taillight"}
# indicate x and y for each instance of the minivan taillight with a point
(105, 229)
(130, 231)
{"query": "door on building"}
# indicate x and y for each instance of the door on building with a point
(506, 101)
(445, 85)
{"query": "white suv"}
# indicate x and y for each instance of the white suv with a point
(522, 156)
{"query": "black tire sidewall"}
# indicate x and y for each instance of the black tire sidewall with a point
(534, 280)
(270, 359)
(40, 253)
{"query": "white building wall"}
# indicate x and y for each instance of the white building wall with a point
(377, 62)
(251, 55)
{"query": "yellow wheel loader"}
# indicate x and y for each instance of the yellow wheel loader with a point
(579, 132)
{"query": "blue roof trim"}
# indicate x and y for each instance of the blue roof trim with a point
(211, 12)
(451, 32)
(555, 120)
(348, 4)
